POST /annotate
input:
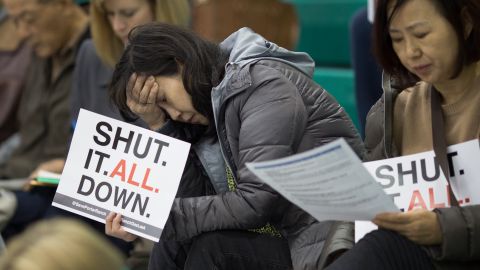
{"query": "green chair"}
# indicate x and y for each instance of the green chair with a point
(324, 29)
(339, 83)
(324, 34)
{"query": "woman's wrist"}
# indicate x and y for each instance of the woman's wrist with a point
(156, 125)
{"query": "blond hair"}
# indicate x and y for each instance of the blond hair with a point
(109, 47)
(60, 244)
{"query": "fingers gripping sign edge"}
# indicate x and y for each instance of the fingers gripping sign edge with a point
(113, 227)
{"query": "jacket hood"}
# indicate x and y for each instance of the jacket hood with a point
(244, 46)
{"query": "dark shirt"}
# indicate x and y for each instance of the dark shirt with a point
(44, 116)
(14, 59)
(12, 76)
(90, 85)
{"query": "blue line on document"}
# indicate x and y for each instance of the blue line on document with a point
(300, 159)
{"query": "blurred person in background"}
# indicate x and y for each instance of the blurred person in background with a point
(111, 21)
(54, 29)
(44, 108)
(15, 55)
(60, 244)
(368, 74)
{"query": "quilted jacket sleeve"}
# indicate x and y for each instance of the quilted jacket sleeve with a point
(461, 234)
(374, 132)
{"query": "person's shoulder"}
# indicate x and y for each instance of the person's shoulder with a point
(420, 89)
(263, 68)
(88, 61)
(87, 52)
(415, 93)
(253, 75)
(271, 70)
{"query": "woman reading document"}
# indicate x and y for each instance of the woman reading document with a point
(435, 44)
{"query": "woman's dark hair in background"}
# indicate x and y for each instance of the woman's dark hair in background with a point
(159, 49)
(457, 12)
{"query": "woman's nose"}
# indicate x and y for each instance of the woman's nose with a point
(118, 24)
(412, 49)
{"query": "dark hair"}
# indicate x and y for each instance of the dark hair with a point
(452, 10)
(156, 49)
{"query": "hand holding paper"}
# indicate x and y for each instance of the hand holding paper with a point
(53, 166)
(420, 225)
(48, 177)
(330, 182)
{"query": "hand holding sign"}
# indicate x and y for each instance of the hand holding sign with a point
(420, 226)
(113, 227)
(142, 100)
(416, 182)
(116, 167)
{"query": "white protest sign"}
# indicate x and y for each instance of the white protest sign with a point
(416, 181)
(329, 182)
(119, 167)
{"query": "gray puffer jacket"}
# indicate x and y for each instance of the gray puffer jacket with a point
(460, 226)
(266, 107)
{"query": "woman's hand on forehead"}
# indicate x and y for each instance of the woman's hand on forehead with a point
(142, 92)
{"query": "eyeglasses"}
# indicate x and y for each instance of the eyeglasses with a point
(28, 17)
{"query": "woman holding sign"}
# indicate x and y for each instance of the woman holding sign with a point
(437, 44)
(245, 100)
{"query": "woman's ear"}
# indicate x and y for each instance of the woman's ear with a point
(467, 23)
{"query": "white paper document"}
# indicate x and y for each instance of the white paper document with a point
(329, 182)
(119, 167)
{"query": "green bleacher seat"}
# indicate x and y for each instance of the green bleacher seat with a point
(339, 83)
(324, 29)
(324, 34)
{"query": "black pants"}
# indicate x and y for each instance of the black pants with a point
(382, 249)
(223, 250)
